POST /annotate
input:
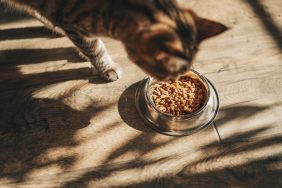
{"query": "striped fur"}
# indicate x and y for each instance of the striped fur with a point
(158, 35)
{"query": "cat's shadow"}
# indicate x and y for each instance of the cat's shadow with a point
(128, 111)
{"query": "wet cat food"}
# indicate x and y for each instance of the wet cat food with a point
(178, 97)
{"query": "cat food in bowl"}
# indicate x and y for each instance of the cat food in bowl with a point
(179, 97)
(179, 107)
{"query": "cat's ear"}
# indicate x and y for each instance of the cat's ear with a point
(207, 28)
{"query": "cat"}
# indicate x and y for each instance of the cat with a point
(159, 36)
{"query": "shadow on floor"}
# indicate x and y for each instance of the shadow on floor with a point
(30, 126)
(267, 21)
(32, 56)
(228, 165)
(26, 33)
(237, 112)
(127, 109)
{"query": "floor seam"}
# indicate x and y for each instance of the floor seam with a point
(219, 139)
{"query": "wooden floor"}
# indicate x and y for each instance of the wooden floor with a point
(62, 127)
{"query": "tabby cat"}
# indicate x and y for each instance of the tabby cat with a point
(158, 35)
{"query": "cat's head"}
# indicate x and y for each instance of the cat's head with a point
(167, 48)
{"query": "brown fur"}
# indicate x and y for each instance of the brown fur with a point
(158, 35)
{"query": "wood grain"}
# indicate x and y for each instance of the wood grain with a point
(63, 127)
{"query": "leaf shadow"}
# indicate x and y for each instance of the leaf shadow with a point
(270, 26)
(230, 113)
(30, 127)
(33, 56)
(253, 172)
(26, 33)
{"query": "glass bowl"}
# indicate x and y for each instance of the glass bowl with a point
(177, 125)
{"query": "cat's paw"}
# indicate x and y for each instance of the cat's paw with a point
(113, 73)
(107, 69)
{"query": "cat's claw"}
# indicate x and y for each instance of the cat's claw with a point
(113, 73)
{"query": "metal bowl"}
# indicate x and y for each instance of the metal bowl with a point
(177, 125)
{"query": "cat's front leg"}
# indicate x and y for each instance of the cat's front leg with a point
(102, 61)
(95, 51)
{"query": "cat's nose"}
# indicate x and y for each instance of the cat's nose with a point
(175, 65)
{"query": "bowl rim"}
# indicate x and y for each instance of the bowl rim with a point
(203, 81)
